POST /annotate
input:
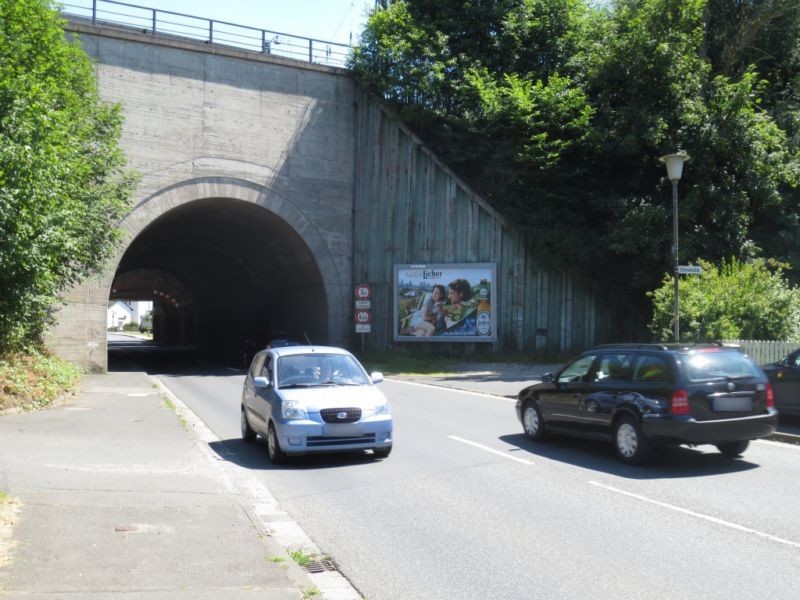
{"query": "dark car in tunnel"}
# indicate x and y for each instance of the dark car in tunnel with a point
(785, 378)
(273, 340)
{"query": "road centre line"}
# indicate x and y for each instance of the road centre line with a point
(492, 450)
(698, 515)
(450, 389)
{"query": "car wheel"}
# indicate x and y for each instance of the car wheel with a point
(532, 423)
(733, 449)
(276, 455)
(382, 452)
(248, 435)
(629, 441)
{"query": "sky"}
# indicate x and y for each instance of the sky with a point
(328, 20)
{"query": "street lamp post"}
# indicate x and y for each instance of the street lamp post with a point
(674, 163)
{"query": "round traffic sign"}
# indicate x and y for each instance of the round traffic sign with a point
(363, 291)
(363, 316)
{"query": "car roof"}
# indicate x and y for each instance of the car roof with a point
(294, 350)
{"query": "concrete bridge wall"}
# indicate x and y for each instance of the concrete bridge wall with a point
(268, 188)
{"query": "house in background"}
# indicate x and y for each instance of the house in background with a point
(120, 313)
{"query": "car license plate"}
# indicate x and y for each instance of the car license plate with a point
(733, 403)
(343, 430)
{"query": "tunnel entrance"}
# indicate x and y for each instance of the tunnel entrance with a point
(224, 275)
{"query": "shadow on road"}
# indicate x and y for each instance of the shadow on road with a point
(667, 463)
(139, 355)
(254, 456)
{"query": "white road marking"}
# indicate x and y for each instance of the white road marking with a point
(698, 515)
(492, 450)
(451, 389)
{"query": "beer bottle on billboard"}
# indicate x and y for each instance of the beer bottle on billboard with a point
(483, 321)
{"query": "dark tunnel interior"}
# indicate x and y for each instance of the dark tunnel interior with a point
(223, 275)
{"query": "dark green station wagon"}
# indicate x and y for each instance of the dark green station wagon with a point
(641, 396)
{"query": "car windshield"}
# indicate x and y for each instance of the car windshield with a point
(705, 366)
(305, 370)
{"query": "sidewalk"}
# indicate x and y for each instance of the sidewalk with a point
(117, 500)
(507, 379)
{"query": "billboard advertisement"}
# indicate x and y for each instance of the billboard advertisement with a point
(445, 302)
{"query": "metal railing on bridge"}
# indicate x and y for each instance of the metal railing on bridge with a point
(153, 21)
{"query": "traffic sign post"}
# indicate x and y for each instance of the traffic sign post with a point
(363, 310)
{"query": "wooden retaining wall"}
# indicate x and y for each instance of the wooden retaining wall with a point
(411, 209)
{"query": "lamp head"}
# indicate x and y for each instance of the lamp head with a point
(674, 164)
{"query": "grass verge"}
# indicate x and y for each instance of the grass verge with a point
(423, 362)
(34, 380)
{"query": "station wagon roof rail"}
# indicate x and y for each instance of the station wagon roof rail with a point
(631, 346)
(666, 346)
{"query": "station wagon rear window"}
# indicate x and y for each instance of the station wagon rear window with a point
(708, 366)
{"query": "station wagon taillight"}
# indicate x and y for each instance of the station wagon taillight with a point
(680, 403)
(770, 396)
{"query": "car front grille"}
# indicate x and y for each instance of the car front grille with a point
(340, 415)
(321, 440)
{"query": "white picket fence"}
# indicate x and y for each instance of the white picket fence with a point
(763, 352)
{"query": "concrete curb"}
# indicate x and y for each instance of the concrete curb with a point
(263, 510)
(786, 438)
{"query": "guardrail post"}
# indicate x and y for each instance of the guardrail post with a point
(94, 11)
(263, 42)
(155, 20)
(311, 51)
(211, 32)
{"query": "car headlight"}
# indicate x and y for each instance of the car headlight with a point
(382, 409)
(292, 409)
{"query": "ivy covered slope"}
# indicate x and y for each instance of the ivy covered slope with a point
(63, 190)
(557, 112)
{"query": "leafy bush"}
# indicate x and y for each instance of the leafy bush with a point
(63, 188)
(34, 380)
(735, 300)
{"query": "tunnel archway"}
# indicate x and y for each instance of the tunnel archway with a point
(226, 270)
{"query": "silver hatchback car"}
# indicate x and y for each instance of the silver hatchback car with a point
(310, 399)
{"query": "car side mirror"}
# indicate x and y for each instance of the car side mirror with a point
(261, 383)
(547, 378)
(376, 376)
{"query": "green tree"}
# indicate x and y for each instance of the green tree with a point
(556, 111)
(62, 186)
(735, 300)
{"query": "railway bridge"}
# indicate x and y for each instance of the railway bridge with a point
(271, 186)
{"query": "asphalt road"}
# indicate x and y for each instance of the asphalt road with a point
(466, 507)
